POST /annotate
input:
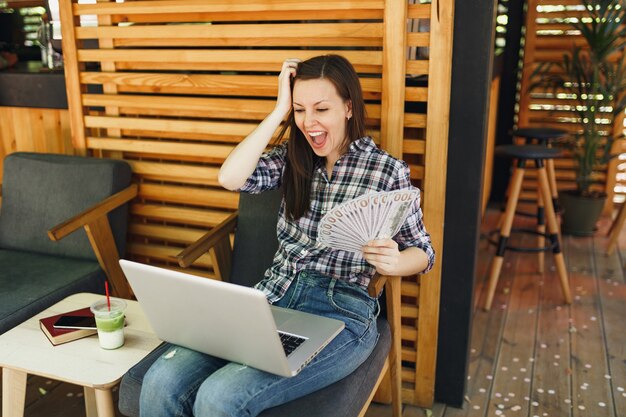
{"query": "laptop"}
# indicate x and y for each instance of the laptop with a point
(229, 321)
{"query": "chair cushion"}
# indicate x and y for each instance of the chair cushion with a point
(49, 279)
(40, 191)
(344, 398)
(258, 216)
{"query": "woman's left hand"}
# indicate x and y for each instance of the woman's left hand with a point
(383, 254)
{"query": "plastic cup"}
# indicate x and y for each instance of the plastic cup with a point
(110, 323)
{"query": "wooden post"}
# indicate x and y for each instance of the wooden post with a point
(436, 155)
(72, 75)
(394, 70)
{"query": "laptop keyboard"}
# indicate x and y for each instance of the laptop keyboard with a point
(290, 342)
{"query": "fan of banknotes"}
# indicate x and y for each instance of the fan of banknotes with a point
(350, 225)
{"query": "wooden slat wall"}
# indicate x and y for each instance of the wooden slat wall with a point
(33, 130)
(548, 36)
(173, 86)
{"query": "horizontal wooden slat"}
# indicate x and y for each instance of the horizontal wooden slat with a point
(184, 215)
(181, 235)
(408, 333)
(413, 146)
(416, 94)
(256, 16)
(409, 310)
(207, 152)
(409, 355)
(417, 67)
(165, 125)
(180, 83)
(202, 197)
(557, 27)
(164, 253)
(418, 39)
(203, 6)
(224, 59)
(418, 11)
(215, 84)
(182, 173)
(183, 106)
(408, 375)
(302, 34)
(180, 136)
(224, 108)
(410, 289)
(562, 43)
(414, 120)
(548, 55)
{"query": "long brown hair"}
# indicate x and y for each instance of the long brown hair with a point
(301, 159)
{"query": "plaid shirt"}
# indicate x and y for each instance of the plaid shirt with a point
(363, 169)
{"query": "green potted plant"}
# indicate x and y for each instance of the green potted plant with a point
(595, 76)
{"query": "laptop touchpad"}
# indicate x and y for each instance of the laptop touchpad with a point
(281, 316)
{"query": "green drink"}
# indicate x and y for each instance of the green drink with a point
(110, 322)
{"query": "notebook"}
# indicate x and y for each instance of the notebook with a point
(229, 321)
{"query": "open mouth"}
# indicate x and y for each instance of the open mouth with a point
(318, 139)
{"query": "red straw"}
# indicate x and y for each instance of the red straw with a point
(106, 289)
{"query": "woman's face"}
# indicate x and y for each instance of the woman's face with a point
(321, 114)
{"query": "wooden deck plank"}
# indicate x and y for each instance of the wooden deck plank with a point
(510, 393)
(62, 400)
(612, 293)
(590, 388)
(551, 368)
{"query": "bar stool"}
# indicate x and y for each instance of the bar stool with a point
(544, 136)
(539, 154)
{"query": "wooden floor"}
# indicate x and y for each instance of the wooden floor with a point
(531, 355)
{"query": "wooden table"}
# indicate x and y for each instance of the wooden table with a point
(26, 350)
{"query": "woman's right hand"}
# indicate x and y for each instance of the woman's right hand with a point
(283, 103)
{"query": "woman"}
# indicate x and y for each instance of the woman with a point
(326, 160)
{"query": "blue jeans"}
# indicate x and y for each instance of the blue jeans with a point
(183, 382)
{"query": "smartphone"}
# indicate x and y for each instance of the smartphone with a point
(75, 322)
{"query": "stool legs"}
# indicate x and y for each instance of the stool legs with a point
(541, 228)
(552, 180)
(545, 195)
(553, 230)
(505, 233)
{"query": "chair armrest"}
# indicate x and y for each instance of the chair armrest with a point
(58, 232)
(98, 229)
(209, 240)
(390, 389)
(376, 285)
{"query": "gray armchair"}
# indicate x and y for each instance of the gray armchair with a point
(48, 198)
(255, 244)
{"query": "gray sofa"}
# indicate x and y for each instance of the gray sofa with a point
(40, 191)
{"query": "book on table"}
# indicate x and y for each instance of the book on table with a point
(59, 336)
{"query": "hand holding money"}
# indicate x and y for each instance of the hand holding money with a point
(383, 254)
